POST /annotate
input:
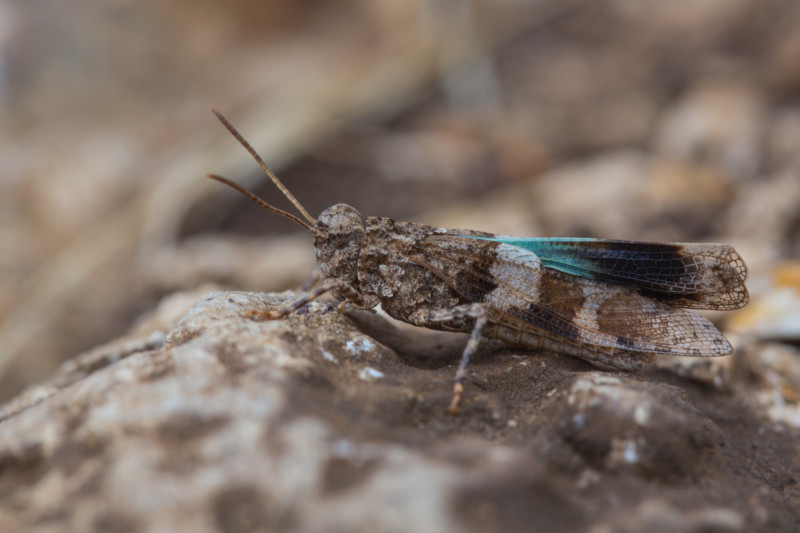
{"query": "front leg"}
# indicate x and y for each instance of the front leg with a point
(353, 299)
(478, 311)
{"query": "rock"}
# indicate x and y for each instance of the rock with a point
(656, 515)
(720, 122)
(775, 313)
(655, 431)
(642, 197)
(774, 371)
(784, 138)
(326, 422)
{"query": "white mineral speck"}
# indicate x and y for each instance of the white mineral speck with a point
(369, 374)
(329, 357)
(641, 415)
(629, 452)
(356, 347)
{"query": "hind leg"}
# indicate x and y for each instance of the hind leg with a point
(478, 311)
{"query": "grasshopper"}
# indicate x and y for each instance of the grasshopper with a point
(617, 304)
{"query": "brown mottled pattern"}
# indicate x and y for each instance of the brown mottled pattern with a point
(518, 332)
(575, 308)
(381, 265)
(421, 292)
(571, 298)
(432, 277)
(338, 252)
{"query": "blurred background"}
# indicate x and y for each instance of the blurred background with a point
(637, 119)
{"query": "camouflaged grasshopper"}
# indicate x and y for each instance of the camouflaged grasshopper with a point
(617, 304)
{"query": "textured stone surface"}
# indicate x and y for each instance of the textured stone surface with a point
(667, 121)
(323, 422)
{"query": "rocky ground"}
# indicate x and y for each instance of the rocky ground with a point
(323, 422)
(666, 121)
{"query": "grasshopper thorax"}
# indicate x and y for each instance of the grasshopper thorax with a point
(340, 232)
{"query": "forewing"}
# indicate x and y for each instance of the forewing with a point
(692, 275)
(514, 281)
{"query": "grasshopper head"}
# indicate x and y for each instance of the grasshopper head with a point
(340, 232)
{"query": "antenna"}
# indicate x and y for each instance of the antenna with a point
(264, 204)
(268, 172)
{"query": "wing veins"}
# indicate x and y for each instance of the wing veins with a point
(648, 341)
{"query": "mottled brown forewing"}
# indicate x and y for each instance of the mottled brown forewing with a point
(515, 282)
